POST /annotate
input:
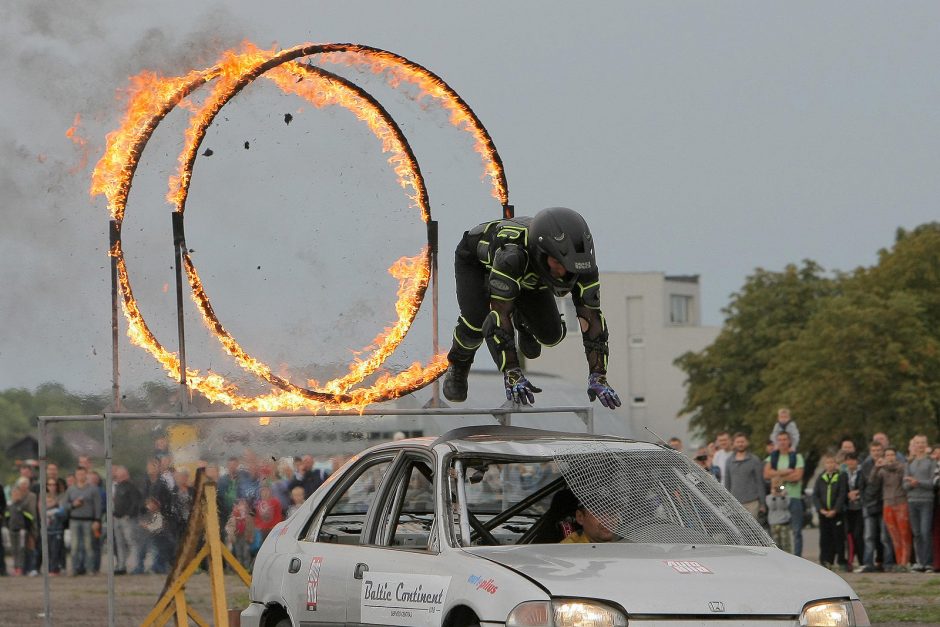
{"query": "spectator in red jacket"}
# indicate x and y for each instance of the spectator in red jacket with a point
(268, 511)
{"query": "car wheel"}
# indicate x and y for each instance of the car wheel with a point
(464, 618)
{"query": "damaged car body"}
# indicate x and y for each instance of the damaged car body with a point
(487, 526)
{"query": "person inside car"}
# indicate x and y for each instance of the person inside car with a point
(591, 528)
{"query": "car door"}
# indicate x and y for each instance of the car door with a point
(400, 579)
(315, 585)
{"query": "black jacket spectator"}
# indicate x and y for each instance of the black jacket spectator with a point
(870, 487)
(830, 491)
(127, 500)
(311, 480)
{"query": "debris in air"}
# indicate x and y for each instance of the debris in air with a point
(246, 145)
(287, 118)
(207, 153)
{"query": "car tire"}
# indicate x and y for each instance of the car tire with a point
(469, 620)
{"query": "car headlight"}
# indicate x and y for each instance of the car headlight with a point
(565, 613)
(835, 614)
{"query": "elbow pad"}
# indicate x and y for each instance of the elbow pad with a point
(590, 295)
(509, 263)
(502, 344)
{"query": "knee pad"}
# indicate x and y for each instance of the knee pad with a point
(523, 324)
(563, 331)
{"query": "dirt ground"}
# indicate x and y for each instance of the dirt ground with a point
(83, 601)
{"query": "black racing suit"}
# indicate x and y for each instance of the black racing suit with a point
(494, 274)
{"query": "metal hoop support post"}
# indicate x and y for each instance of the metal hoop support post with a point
(179, 243)
(44, 522)
(435, 339)
(109, 514)
(115, 231)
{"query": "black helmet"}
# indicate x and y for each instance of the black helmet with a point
(563, 234)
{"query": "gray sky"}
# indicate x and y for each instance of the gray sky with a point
(697, 138)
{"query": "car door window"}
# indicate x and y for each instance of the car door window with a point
(410, 518)
(345, 516)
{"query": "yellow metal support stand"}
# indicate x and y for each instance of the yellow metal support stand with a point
(202, 540)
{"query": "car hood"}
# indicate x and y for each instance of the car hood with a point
(657, 579)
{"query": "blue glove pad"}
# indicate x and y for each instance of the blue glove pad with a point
(518, 388)
(598, 388)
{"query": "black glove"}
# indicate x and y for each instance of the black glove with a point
(518, 388)
(598, 388)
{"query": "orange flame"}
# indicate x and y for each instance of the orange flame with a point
(396, 71)
(322, 91)
(81, 143)
(150, 99)
(228, 73)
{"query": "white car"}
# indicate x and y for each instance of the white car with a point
(464, 530)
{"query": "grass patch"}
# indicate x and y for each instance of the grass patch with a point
(903, 597)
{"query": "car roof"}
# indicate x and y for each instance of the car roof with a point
(510, 440)
(499, 433)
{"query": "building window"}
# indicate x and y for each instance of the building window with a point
(680, 309)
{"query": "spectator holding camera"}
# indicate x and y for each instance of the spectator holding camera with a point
(890, 472)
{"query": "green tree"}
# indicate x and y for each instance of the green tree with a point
(723, 379)
(863, 363)
(912, 265)
(853, 354)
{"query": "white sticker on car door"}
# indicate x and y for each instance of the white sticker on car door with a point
(402, 599)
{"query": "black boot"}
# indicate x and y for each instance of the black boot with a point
(528, 345)
(455, 381)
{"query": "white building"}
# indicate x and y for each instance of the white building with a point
(653, 318)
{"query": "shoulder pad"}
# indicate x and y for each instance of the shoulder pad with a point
(511, 231)
(510, 259)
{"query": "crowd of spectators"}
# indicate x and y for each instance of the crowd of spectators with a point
(877, 510)
(150, 511)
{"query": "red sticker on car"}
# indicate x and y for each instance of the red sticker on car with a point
(688, 568)
(313, 580)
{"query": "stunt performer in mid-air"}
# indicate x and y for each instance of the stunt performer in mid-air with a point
(508, 275)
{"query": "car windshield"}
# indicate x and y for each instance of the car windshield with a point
(648, 495)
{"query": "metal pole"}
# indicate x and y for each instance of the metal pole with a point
(179, 242)
(435, 341)
(109, 513)
(44, 525)
(441, 411)
(115, 372)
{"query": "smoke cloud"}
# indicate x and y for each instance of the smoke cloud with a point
(59, 60)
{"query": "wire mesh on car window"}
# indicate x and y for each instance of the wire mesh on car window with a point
(656, 496)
